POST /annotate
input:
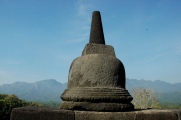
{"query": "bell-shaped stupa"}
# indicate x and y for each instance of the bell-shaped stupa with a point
(96, 79)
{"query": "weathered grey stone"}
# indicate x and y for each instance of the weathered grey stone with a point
(96, 80)
(93, 48)
(100, 106)
(97, 99)
(96, 33)
(41, 113)
(96, 70)
(97, 95)
(156, 115)
(178, 111)
(88, 115)
(44, 113)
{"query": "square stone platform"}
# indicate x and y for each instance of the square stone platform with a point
(44, 113)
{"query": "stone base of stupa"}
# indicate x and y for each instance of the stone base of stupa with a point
(89, 106)
(43, 113)
(97, 99)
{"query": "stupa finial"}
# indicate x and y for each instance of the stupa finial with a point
(96, 32)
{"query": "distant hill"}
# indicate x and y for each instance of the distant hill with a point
(158, 86)
(45, 90)
(50, 90)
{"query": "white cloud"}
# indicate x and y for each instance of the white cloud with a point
(157, 56)
(82, 10)
(81, 23)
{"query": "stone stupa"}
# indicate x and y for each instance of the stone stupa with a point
(96, 79)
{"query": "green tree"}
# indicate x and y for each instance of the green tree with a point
(8, 102)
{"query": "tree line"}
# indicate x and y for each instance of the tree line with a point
(8, 102)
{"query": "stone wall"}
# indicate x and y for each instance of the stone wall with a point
(43, 113)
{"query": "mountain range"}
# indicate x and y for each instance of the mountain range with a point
(45, 90)
(158, 86)
(50, 89)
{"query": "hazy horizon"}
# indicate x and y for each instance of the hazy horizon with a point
(67, 81)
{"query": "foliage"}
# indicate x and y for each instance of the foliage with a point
(8, 102)
(144, 98)
(170, 105)
(51, 104)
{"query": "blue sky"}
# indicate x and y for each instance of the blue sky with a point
(40, 38)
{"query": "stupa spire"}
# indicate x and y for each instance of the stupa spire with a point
(96, 32)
